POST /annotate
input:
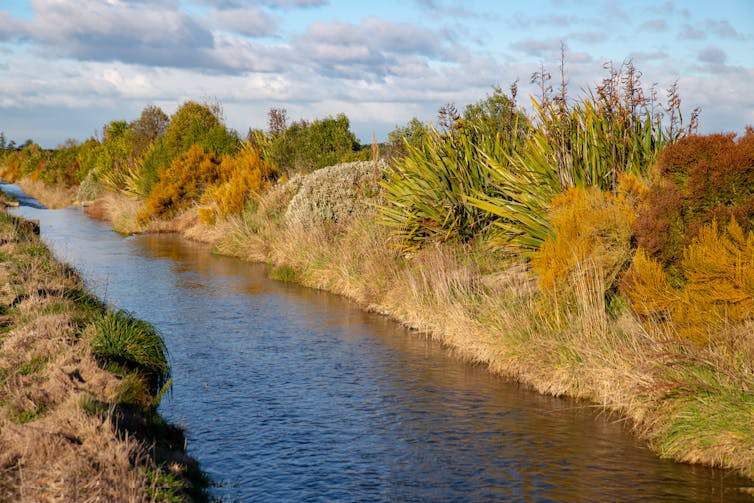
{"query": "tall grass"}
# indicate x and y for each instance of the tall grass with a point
(123, 339)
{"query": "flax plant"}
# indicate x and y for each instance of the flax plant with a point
(616, 131)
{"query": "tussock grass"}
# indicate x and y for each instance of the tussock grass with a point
(122, 339)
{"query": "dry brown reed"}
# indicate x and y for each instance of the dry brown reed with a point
(51, 196)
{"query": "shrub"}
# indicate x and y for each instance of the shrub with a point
(588, 224)
(181, 183)
(304, 147)
(239, 177)
(122, 339)
(335, 194)
(589, 143)
(700, 179)
(718, 268)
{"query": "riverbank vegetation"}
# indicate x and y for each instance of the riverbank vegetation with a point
(596, 247)
(79, 387)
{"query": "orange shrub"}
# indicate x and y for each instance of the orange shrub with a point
(239, 177)
(589, 225)
(718, 266)
(181, 183)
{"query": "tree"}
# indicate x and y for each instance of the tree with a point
(412, 135)
(200, 124)
(144, 131)
(304, 147)
(277, 120)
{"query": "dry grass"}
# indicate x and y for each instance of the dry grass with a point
(118, 209)
(51, 196)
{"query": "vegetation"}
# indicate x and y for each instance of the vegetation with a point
(597, 248)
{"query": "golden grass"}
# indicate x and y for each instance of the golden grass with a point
(118, 209)
(51, 196)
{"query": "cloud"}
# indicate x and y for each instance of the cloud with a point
(641, 56)
(691, 33)
(613, 10)
(11, 27)
(372, 47)
(654, 25)
(274, 4)
(440, 8)
(538, 47)
(155, 34)
(723, 28)
(249, 21)
(590, 37)
(712, 55)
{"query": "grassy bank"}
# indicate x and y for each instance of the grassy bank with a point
(79, 385)
(690, 403)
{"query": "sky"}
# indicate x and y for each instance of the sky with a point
(67, 67)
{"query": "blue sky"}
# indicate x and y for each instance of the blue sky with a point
(69, 66)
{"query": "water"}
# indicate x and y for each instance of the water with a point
(290, 394)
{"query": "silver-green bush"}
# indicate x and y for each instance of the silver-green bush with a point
(336, 194)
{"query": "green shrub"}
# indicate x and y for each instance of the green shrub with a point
(304, 147)
(429, 190)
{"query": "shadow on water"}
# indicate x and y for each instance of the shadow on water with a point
(291, 394)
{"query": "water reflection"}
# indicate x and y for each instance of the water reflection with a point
(291, 394)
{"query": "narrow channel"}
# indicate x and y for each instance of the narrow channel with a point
(291, 394)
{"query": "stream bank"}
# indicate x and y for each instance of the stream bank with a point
(77, 422)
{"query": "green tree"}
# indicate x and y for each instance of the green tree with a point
(304, 147)
(199, 124)
(410, 135)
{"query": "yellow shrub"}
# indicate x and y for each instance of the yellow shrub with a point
(718, 267)
(240, 176)
(589, 225)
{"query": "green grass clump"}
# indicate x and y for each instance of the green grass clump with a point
(122, 339)
(92, 406)
(285, 273)
(33, 366)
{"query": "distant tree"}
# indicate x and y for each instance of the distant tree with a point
(144, 131)
(496, 114)
(200, 124)
(412, 134)
(304, 146)
(277, 121)
(2, 140)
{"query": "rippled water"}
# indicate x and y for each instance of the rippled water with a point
(289, 394)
